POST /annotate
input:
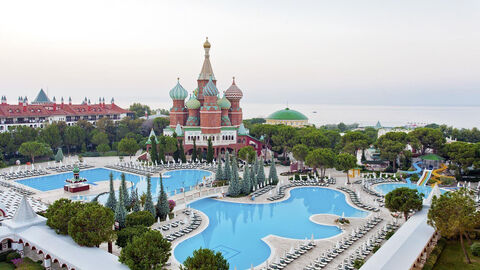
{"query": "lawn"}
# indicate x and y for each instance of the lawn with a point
(452, 257)
(6, 266)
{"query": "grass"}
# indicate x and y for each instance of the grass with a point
(6, 266)
(452, 257)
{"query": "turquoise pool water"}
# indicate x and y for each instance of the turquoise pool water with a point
(175, 182)
(387, 187)
(236, 229)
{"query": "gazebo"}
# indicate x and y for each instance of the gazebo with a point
(431, 161)
(77, 183)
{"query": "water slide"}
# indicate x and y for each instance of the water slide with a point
(417, 171)
(425, 177)
(437, 173)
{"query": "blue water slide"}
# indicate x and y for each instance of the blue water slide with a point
(418, 171)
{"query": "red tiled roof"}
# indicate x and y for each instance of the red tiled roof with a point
(45, 110)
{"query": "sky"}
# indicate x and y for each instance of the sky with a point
(377, 52)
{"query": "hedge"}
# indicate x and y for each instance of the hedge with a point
(432, 258)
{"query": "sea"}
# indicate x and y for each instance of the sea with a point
(364, 115)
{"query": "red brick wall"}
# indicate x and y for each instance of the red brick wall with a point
(210, 120)
(178, 116)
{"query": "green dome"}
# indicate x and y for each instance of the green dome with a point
(224, 103)
(287, 114)
(193, 103)
(76, 170)
(178, 92)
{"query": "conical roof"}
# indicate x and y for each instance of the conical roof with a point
(207, 70)
(178, 92)
(210, 89)
(242, 130)
(41, 98)
(178, 130)
(24, 212)
(233, 92)
(152, 133)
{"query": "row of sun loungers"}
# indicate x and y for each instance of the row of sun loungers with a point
(291, 256)
(16, 188)
(281, 191)
(174, 224)
(144, 170)
(367, 247)
(23, 174)
(195, 222)
(262, 191)
(342, 245)
(356, 201)
(69, 168)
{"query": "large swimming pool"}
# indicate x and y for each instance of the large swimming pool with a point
(174, 181)
(387, 187)
(236, 229)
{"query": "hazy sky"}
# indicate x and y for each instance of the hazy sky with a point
(326, 52)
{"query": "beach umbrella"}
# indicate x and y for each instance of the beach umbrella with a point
(469, 183)
(343, 215)
(312, 238)
(353, 233)
(168, 218)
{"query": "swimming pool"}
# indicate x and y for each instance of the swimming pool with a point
(174, 181)
(387, 187)
(236, 229)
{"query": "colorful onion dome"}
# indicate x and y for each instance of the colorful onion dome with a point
(206, 44)
(178, 92)
(224, 103)
(193, 103)
(210, 89)
(233, 92)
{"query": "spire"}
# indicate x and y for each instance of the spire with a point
(24, 212)
(207, 70)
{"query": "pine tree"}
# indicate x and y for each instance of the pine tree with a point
(120, 211)
(111, 201)
(153, 149)
(210, 151)
(272, 175)
(253, 177)
(136, 203)
(227, 175)
(194, 151)
(162, 203)
(124, 190)
(148, 202)
(255, 166)
(261, 172)
(161, 149)
(246, 184)
(234, 188)
(219, 173)
(183, 158)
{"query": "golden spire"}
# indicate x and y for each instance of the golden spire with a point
(206, 44)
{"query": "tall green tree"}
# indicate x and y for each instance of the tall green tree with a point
(153, 149)
(391, 145)
(140, 109)
(59, 155)
(260, 172)
(162, 207)
(120, 211)
(284, 139)
(209, 151)
(203, 259)
(126, 235)
(111, 201)
(148, 200)
(51, 136)
(219, 173)
(272, 174)
(124, 189)
(59, 214)
(247, 153)
(345, 162)
(454, 214)
(228, 169)
(128, 146)
(100, 138)
(181, 151)
(246, 183)
(427, 138)
(136, 204)
(321, 158)
(300, 152)
(34, 149)
(146, 252)
(353, 141)
(234, 188)
(194, 150)
(92, 225)
(404, 200)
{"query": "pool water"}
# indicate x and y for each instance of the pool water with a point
(173, 182)
(236, 229)
(387, 187)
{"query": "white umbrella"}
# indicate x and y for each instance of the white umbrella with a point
(469, 183)
(168, 218)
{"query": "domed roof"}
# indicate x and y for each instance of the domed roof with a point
(206, 44)
(224, 103)
(193, 103)
(210, 89)
(76, 169)
(233, 92)
(287, 114)
(178, 92)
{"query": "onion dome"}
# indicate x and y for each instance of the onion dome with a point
(76, 170)
(287, 114)
(206, 44)
(193, 103)
(210, 89)
(233, 92)
(224, 103)
(178, 92)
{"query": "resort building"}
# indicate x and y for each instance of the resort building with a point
(43, 111)
(209, 115)
(287, 117)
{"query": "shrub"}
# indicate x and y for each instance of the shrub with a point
(414, 178)
(432, 258)
(171, 205)
(297, 177)
(475, 247)
(358, 263)
(375, 248)
(389, 234)
(143, 218)
(125, 235)
(12, 256)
